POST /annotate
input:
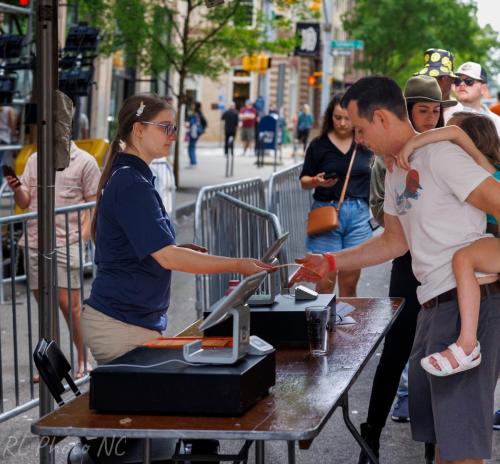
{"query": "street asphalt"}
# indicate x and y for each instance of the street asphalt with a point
(333, 445)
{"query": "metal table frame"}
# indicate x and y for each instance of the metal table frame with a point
(264, 421)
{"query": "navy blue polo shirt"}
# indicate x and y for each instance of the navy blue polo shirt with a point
(131, 224)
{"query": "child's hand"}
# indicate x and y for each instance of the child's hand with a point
(404, 155)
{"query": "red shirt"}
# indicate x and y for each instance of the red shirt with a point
(248, 111)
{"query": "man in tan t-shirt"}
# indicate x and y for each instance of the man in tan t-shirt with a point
(74, 185)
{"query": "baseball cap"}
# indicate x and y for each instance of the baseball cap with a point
(474, 70)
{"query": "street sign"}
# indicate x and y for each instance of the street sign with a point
(341, 51)
(345, 44)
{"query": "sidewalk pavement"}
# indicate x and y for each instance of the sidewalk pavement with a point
(211, 170)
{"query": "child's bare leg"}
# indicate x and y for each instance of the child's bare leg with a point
(482, 256)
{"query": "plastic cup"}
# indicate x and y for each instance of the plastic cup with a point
(317, 321)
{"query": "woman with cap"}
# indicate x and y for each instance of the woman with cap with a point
(425, 110)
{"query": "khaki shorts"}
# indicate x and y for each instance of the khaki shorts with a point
(62, 276)
(247, 134)
(109, 338)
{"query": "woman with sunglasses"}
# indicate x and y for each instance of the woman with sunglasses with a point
(135, 240)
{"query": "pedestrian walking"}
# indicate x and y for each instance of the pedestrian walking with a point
(439, 64)
(425, 105)
(248, 119)
(305, 121)
(197, 124)
(74, 185)
(231, 121)
(325, 169)
(433, 210)
(136, 250)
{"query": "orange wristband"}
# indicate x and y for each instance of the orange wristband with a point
(330, 259)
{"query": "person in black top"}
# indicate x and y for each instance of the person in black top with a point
(325, 168)
(231, 119)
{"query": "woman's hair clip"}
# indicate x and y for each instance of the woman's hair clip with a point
(140, 110)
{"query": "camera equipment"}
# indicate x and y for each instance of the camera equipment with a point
(10, 46)
(7, 89)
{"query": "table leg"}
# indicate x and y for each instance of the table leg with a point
(354, 431)
(260, 452)
(291, 452)
(146, 456)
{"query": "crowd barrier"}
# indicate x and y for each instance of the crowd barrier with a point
(206, 217)
(19, 310)
(291, 204)
(241, 230)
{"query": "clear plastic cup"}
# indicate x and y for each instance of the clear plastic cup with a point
(317, 321)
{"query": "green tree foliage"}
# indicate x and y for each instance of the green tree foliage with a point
(397, 32)
(187, 37)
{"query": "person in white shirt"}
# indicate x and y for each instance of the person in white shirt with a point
(471, 84)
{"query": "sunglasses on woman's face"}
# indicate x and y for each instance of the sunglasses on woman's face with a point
(170, 129)
(468, 81)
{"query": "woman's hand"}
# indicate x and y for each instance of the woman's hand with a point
(14, 182)
(320, 181)
(194, 247)
(250, 266)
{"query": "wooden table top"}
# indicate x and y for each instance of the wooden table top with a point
(306, 393)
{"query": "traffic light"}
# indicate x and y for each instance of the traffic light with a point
(256, 63)
(24, 2)
(263, 63)
(315, 6)
(314, 80)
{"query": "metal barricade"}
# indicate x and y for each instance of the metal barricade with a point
(206, 223)
(291, 203)
(165, 184)
(7, 204)
(243, 230)
(19, 326)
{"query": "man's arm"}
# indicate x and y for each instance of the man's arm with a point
(486, 197)
(388, 245)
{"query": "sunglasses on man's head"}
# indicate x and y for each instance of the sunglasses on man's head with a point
(170, 129)
(468, 81)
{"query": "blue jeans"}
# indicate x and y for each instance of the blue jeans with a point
(192, 150)
(403, 383)
(353, 227)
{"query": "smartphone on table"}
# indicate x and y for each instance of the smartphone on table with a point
(8, 171)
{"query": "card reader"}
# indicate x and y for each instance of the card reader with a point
(303, 293)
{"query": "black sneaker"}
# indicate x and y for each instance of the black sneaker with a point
(496, 420)
(400, 412)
